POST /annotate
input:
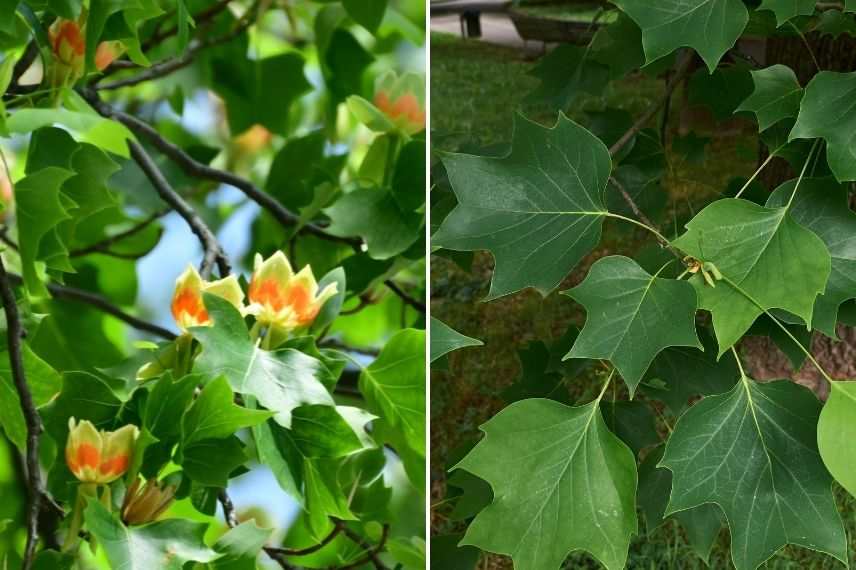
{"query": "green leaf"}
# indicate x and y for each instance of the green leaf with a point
(447, 555)
(394, 387)
(619, 46)
(85, 397)
(823, 116)
(821, 206)
(280, 380)
(39, 209)
(702, 524)
(722, 91)
(561, 481)
(87, 126)
(788, 9)
(537, 378)
(777, 95)
(209, 462)
(260, 91)
(566, 73)
(445, 339)
(367, 13)
(374, 215)
(538, 210)
(835, 23)
(632, 316)
(632, 422)
(44, 382)
(166, 544)
(753, 451)
(214, 415)
(295, 173)
(749, 244)
(325, 431)
(835, 434)
(678, 375)
(408, 180)
(711, 27)
(168, 401)
(345, 61)
(241, 544)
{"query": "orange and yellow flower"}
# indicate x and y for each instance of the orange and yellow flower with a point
(188, 308)
(402, 100)
(99, 456)
(68, 43)
(280, 298)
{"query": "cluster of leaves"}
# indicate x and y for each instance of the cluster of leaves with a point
(551, 476)
(201, 101)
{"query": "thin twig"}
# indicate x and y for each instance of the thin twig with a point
(103, 246)
(213, 252)
(232, 521)
(101, 303)
(35, 485)
(680, 72)
(192, 167)
(371, 552)
(408, 300)
(337, 528)
(172, 64)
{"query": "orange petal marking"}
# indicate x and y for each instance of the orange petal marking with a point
(269, 293)
(70, 32)
(188, 302)
(114, 465)
(87, 456)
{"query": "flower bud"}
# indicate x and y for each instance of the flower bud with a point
(146, 504)
(279, 298)
(68, 44)
(99, 456)
(108, 52)
(188, 308)
(402, 100)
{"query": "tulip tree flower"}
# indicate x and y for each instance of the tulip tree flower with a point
(188, 308)
(281, 300)
(145, 504)
(99, 457)
(68, 44)
(398, 106)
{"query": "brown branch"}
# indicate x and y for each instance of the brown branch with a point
(232, 521)
(408, 300)
(192, 167)
(680, 72)
(27, 59)
(35, 485)
(213, 252)
(101, 303)
(371, 552)
(337, 528)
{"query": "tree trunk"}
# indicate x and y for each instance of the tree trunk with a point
(837, 54)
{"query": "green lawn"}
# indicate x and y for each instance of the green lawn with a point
(475, 90)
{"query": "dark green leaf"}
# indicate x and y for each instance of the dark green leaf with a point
(445, 339)
(367, 13)
(777, 95)
(753, 452)
(632, 316)
(538, 210)
(561, 482)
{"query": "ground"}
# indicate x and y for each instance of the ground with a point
(475, 89)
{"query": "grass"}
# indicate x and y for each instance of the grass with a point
(476, 89)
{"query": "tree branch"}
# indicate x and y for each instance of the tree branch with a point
(103, 246)
(413, 302)
(192, 167)
(213, 252)
(169, 65)
(35, 485)
(680, 72)
(102, 304)
(371, 552)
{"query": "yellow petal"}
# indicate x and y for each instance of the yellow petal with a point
(227, 288)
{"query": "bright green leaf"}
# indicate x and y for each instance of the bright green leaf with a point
(765, 253)
(367, 13)
(836, 431)
(214, 415)
(280, 380)
(166, 544)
